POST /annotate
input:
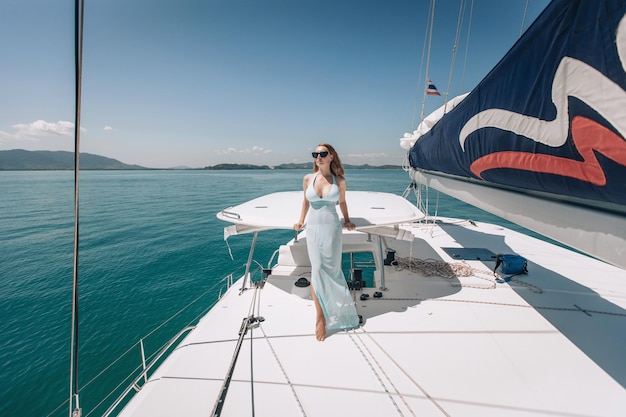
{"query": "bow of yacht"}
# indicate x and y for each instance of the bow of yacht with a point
(441, 335)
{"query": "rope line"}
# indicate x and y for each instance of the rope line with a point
(521, 29)
(282, 369)
(256, 304)
(248, 323)
(430, 41)
(531, 287)
(446, 270)
(459, 26)
(212, 289)
(575, 309)
(252, 402)
(469, 30)
(419, 78)
(386, 376)
(450, 270)
(406, 374)
(380, 380)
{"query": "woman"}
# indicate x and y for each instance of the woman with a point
(323, 189)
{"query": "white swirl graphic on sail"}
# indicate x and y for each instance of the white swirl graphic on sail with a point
(572, 78)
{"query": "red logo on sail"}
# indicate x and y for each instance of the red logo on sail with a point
(589, 138)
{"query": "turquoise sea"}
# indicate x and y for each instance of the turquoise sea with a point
(150, 244)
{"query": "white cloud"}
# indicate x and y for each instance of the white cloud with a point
(40, 128)
(255, 150)
(108, 128)
(372, 155)
(4, 136)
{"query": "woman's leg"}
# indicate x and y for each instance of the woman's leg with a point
(320, 321)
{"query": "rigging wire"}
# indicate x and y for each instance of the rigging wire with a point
(521, 30)
(249, 322)
(255, 306)
(252, 403)
(469, 29)
(419, 78)
(459, 25)
(211, 290)
(74, 403)
(430, 42)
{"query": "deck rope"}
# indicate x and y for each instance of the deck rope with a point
(531, 287)
(380, 380)
(446, 270)
(450, 270)
(409, 376)
(282, 369)
(369, 352)
(575, 309)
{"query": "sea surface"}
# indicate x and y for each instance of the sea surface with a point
(151, 259)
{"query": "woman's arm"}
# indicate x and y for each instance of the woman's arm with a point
(343, 206)
(305, 205)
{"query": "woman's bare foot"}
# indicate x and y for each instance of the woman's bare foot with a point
(320, 328)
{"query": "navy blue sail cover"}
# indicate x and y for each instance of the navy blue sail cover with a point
(551, 116)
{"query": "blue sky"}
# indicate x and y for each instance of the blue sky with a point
(200, 82)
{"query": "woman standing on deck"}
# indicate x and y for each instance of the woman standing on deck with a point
(323, 190)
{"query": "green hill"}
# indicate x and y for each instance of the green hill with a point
(22, 160)
(228, 167)
(305, 165)
(19, 159)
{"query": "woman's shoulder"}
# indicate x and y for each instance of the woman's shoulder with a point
(340, 179)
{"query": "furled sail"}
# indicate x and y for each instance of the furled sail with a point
(545, 127)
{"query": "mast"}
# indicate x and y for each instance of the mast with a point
(74, 403)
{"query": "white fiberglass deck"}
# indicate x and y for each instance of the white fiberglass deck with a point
(548, 343)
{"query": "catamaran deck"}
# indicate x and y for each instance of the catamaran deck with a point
(548, 343)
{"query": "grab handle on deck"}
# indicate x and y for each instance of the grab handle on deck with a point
(231, 214)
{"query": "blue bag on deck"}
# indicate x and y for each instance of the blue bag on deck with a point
(511, 264)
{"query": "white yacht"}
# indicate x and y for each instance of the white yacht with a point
(446, 329)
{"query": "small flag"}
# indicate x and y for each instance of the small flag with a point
(431, 90)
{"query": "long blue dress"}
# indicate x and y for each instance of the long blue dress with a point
(323, 233)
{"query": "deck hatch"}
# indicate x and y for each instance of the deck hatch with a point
(471, 254)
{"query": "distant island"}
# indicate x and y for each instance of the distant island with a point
(22, 160)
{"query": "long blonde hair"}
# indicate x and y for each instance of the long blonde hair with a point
(335, 166)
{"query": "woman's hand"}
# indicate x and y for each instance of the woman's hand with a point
(349, 225)
(298, 226)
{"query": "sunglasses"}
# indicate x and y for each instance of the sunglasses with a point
(323, 154)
